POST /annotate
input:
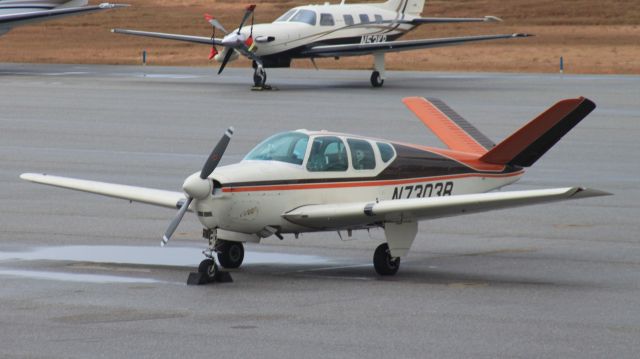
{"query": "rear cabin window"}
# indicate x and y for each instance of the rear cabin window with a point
(386, 151)
(378, 19)
(305, 16)
(364, 18)
(326, 20)
(362, 156)
(328, 153)
(348, 20)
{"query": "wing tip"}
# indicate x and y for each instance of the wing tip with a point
(584, 192)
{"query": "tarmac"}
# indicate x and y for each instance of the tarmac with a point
(83, 276)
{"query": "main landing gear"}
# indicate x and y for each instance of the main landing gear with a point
(383, 262)
(376, 79)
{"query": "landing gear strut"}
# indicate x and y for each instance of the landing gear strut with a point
(383, 262)
(208, 271)
(377, 76)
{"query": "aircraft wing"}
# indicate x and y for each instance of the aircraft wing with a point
(395, 46)
(151, 196)
(362, 214)
(441, 20)
(11, 20)
(177, 37)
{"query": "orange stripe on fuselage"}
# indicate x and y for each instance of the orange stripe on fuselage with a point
(442, 126)
(372, 183)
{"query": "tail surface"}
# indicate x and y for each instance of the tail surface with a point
(453, 130)
(410, 7)
(525, 146)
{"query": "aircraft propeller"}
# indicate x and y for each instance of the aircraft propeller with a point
(236, 41)
(198, 186)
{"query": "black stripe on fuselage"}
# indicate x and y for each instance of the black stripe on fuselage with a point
(409, 163)
(298, 52)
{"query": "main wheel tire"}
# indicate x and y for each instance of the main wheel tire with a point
(259, 77)
(382, 261)
(209, 268)
(376, 79)
(231, 254)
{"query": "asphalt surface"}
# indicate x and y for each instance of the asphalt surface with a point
(83, 276)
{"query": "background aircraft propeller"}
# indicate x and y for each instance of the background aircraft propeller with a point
(198, 187)
(244, 44)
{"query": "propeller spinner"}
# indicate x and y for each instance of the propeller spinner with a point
(198, 186)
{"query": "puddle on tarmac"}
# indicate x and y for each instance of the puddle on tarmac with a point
(74, 277)
(157, 256)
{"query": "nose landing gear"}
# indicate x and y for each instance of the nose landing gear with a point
(208, 270)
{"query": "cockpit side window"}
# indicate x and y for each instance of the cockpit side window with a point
(386, 151)
(328, 153)
(364, 18)
(287, 147)
(326, 20)
(378, 19)
(348, 20)
(305, 16)
(362, 156)
(286, 15)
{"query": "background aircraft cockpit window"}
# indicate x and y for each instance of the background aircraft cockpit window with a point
(328, 153)
(362, 156)
(348, 20)
(386, 151)
(326, 20)
(284, 147)
(305, 16)
(364, 18)
(378, 19)
(286, 15)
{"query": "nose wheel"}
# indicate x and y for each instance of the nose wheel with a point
(259, 77)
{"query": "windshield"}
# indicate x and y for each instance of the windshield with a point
(286, 15)
(305, 16)
(287, 147)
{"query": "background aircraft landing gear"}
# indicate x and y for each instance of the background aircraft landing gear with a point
(376, 79)
(383, 262)
(259, 77)
(230, 254)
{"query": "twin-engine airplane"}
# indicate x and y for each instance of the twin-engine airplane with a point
(309, 181)
(25, 12)
(325, 31)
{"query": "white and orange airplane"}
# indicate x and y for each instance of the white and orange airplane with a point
(310, 181)
(329, 30)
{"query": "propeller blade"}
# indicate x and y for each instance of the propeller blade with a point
(175, 222)
(215, 23)
(248, 10)
(227, 56)
(216, 154)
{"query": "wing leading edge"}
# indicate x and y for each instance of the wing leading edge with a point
(157, 197)
(362, 214)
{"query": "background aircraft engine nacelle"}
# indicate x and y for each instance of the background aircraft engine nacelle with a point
(220, 56)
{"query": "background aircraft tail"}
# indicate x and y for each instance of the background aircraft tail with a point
(525, 146)
(410, 7)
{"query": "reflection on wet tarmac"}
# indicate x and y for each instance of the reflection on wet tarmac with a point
(74, 277)
(157, 256)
